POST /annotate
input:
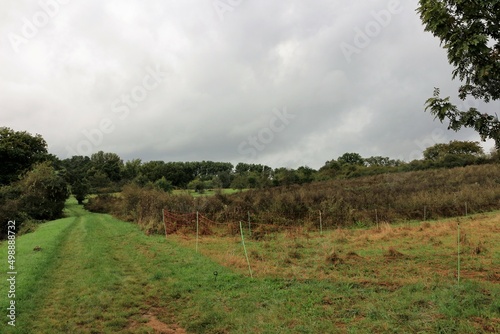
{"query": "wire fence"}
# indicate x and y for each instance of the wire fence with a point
(320, 220)
(195, 222)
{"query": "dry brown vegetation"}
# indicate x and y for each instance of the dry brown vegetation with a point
(392, 255)
(365, 201)
(360, 202)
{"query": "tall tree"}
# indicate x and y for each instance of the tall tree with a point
(80, 189)
(470, 32)
(351, 159)
(131, 169)
(77, 168)
(109, 164)
(463, 148)
(19, 151)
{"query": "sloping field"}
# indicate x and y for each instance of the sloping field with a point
(91, 273)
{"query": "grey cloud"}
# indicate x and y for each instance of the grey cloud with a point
(224, 79)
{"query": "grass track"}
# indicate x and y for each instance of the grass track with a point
(96, 274)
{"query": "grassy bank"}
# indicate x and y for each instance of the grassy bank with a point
(97, 274)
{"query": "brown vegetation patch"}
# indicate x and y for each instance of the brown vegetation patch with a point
(486, 325)
(392, 253)
(388, 286)
(264, 232)
(479, 249)
(161, 327)
(334, 258)
(425, 225)
(493, 277)
(353, 256)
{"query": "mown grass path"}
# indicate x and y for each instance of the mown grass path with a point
(96, 274)
(90, 276)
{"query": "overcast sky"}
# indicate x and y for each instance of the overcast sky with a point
(283, 83)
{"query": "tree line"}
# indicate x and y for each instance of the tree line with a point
(35, 184)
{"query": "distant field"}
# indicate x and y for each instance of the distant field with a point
(97, 274)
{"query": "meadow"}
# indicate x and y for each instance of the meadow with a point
(412, 277)
(94, 273)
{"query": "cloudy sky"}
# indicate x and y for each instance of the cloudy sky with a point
(284, 83)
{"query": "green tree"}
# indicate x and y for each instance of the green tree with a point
(19, 151)
(80, 189)
(454, 154)
(459, 148)
(330, 170)
(108, 163)
(225, 179)
(43, 193)
(154, 170)
(10, 208)
(163, 184)
(351, 159)
(239, 182)
(99, 181)
(77, 168)
(131, 169)
(379, 161)
(197, 185)
(305, 174)
(470, 32)
(285, 177)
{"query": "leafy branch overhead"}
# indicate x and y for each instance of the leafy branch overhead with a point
(470, 33)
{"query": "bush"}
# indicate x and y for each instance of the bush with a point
(44, 193)
(39, 195)
(141, 205)
(103, 203)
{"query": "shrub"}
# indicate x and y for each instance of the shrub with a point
(102, 203)
(43, 193)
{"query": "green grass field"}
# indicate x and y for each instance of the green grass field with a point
(96, 274)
